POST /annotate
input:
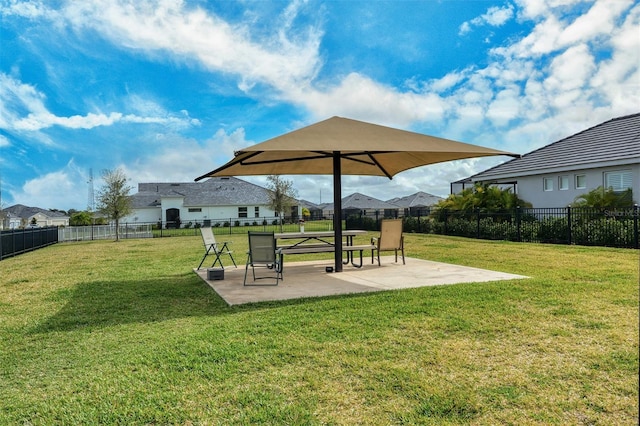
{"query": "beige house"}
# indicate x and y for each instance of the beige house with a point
(20, 216)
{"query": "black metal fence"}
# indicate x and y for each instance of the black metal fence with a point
(566, 225)
(17, 241)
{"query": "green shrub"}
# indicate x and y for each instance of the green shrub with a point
(553, 230)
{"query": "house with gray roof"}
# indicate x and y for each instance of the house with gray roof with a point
(211, 201)
(20, 216)
(606, 155)
(413, 203)
(315, 210)
(358, 203)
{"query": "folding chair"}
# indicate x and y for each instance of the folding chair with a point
(391, 238)
(211, 247)
(263, 253)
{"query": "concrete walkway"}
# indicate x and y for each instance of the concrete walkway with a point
(309, 279)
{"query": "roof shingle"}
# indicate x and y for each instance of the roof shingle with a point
(616, 140)
(216, 191)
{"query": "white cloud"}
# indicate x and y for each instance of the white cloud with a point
(4, 141)
(22, 108)
(281, 60)
(179, 159)
(599, 20)
(617, 79)
(554, 31)
(359, 97)
(30, 9)
(495, 17)
(570, 70)
(46, 191)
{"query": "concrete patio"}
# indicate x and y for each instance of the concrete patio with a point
(309, 279)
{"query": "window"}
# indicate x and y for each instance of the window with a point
(581, 181)
(548, 184)
(195, 210)
(257, 212)
(619, 181)
(563, 183)
(242, 212)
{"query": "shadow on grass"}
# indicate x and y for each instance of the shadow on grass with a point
(97, 304)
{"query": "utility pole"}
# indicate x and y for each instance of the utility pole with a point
(91, 204)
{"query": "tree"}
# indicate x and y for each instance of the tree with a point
(113, 199)
(281, 196)
(604, 198)
(482, 196)
(81, 219)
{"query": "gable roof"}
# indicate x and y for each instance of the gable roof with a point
(310, 205)
(362, 202)
(419, 199)
(25, 212)
(616, 141)
(216, 191)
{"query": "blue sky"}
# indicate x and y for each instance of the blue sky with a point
(167, 90)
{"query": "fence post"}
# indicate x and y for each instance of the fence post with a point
(446, 219)
(518, 224)
(569, 225)
(635, 226)
(478, 222)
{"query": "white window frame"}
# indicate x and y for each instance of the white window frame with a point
(256, 211)
(547, 184)
(242, 212)
(563, 183)
(584, 183)
(619, 180)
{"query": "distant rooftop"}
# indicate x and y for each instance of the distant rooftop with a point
(361, 201)
(221, 191)
(419, 199)
(24, 212)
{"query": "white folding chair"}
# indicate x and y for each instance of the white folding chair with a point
(211, 247)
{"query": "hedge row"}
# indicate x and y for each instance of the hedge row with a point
(558, 226)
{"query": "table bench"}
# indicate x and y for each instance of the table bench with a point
(325, 248)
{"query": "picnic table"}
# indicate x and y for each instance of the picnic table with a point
(321, 242)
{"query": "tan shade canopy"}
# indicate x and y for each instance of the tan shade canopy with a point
(365, 149)
(340, 146)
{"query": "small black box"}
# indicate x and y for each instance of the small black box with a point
(215, 274)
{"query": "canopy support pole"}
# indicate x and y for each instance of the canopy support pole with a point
(337, 209)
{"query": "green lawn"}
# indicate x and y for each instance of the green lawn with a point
(125, 333)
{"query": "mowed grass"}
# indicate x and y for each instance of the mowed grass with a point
(125, 333)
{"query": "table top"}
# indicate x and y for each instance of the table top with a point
(315, 234)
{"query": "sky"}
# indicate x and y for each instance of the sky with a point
(167, 90)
